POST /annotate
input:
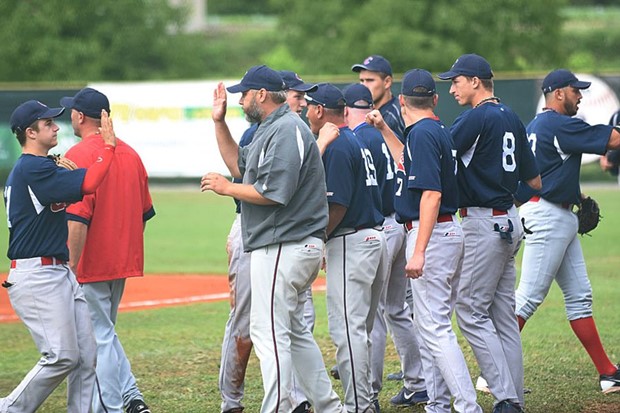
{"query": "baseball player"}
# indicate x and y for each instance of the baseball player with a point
(610, 162)
(553, 251)
(115, 217)
(426, 201)
(355, 247)
(375, 72)
(237, 346)
(392, 307)
(283, 221)
(41, 286)
(493, 156)
(296, 90)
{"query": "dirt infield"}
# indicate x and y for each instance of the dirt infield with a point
(154, 291)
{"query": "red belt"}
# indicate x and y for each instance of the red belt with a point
(565, 205)
(44, 261)
(441, 218)
(496, 212)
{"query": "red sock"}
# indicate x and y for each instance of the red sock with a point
(521, 322)
(585, 330)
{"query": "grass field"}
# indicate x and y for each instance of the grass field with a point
(175, 351)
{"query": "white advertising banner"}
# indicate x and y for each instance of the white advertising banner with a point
(169, 124)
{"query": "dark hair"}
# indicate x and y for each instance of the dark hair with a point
(487, 84)
(21, 133)
(420, 102)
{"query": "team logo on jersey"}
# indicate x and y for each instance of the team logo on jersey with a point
(58, 206)
(99, 159)
(400, 166)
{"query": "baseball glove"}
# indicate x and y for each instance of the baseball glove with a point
(589, 215)
(63, 162)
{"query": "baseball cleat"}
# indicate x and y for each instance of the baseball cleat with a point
(396, 376)
(138, 406)
(375, 405)
(409, 398)
(334, 372)
(611, 383)
(304, 407)
(506, 406)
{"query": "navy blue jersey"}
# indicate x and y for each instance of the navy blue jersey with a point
(427, 163)
(35, 197)
(351, 181)
(384, 164)
(493, 156)
(245, 140)
(393, 118)
(558, 142)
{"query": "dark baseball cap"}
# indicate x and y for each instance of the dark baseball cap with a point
(88, 101)
(374, 63)
(560, 78)
(326, 95)
(415, 78)
(292, 81)
(469, 65)
(259, 77)
(29, 112)
(358, 96)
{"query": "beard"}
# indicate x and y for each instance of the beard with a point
(253, 114)
(570, 108)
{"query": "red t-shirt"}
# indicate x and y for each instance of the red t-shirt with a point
(115, 214)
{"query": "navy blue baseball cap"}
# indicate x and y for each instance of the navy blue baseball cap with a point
(374, 63)
(292, 81)
(358, 96)
(416, 78)
(326, 95)
(29, 112)
(561, 78)
(259, 77)
(469, 65)
(88, 101)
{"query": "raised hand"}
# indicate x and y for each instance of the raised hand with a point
(375, 119)
(327, 134)
(107, 129)
(218, 114)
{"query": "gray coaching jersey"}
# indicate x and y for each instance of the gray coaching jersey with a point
(284, 165)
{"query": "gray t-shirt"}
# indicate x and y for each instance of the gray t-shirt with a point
(284, 165)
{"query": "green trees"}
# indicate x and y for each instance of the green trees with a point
(327, 36)
(57, 40)
(94, 40)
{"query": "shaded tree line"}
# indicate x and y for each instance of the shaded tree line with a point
(91, 40)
